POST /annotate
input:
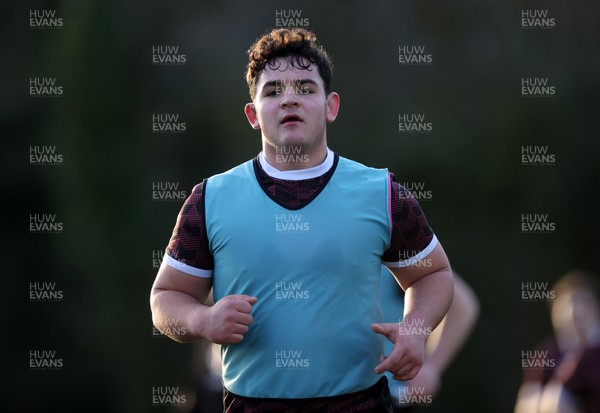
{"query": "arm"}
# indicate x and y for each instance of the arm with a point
(180, 299)
(556, 399)
(553, 397)
(528, 399)
(448, 338)
(429, 291)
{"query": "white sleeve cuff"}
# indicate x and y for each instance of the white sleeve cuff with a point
(414, 259)
(188, 269)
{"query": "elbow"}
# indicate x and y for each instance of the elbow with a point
(154, 306)
(159, 319)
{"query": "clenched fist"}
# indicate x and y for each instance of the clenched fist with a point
(228, 319)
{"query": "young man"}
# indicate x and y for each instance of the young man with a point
(292, 243)
(572, 384)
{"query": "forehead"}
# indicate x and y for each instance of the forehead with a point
(289, 68)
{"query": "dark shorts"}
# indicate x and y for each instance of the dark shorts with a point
(375, 399)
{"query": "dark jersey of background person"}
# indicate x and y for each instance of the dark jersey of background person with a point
(583, 382)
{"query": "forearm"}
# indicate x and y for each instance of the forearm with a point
(178, 315)
(427, 300)
(528, 399)
(450, 335)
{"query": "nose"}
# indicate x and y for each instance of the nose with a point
(289, 98)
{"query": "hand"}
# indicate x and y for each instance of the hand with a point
(407, 355)
(228, 320)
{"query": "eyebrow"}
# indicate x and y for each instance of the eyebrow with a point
(278, 82)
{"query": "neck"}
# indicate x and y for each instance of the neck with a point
(298, 174)
(294, 157)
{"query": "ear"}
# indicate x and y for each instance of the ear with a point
(333, 106)
(250, 111)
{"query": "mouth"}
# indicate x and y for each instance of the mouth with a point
(289, 119)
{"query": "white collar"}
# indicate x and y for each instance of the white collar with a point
(297, 174)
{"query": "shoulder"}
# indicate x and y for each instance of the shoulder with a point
(358, 171)
(242, 171)
(352, 164)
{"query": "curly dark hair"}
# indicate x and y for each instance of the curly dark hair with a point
(298, 46)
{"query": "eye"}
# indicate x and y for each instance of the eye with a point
(303, 90)
(274, 92)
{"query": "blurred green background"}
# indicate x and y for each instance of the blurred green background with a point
(102, 191)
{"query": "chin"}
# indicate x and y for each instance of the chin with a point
(294, 140)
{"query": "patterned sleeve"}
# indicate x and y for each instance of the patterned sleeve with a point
(188, 249)
(412, 239)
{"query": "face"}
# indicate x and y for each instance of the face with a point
(585, 310)
(562, 321)
(576, 312)
(290, 107)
